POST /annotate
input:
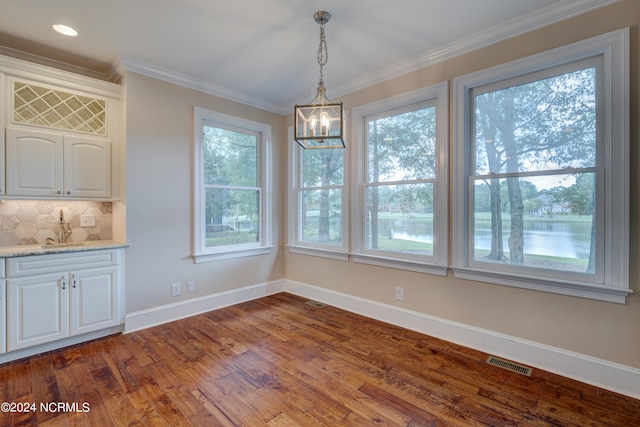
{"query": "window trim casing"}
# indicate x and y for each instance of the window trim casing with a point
(264, 245)
(613, 47)
(438, 263)
(295, 245)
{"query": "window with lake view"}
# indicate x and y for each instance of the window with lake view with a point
(401, 172)
(401, 208)
(534, 184)
(542, 183)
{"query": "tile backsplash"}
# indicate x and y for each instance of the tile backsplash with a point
(30, 222)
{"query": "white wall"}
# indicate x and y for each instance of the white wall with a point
(158, 202)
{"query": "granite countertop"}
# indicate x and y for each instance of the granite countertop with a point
(26, 250)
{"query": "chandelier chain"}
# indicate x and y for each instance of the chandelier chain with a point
(323, 52)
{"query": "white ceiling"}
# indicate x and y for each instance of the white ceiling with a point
(263, 52)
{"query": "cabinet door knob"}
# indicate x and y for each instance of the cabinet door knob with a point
(74, 280)
(58, 192)
(64, 282)
(68, 193)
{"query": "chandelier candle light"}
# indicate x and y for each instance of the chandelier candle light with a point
(321, 123)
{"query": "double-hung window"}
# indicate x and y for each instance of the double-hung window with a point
(318, 212)
(542, 178)
(400, 214)
(231, 186)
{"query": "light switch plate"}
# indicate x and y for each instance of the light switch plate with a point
(87, 221)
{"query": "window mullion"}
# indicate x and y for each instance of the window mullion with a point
(550, 172)
(401, 182)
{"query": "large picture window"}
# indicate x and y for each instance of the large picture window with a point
(543, 173)
(230, 197)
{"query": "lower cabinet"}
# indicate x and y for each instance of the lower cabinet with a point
(3, 317)
(93, 297)
(52, 297)
(37, 310)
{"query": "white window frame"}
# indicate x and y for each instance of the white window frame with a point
(437, 264)
(201, 253)
(613, 286)
(295, 244)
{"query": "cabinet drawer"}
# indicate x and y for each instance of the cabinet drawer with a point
(42, 264)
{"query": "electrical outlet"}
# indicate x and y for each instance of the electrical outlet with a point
(87, 220)
(191, 286)
(399, 293)
(176, 289)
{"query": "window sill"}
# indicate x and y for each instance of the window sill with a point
(401, 264)
(582, 290)
(319, 252)
(217, 256)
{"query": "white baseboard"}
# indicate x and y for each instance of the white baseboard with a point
(587, 369)
(168, 313)
(590, 370)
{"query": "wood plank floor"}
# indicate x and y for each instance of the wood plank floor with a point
(277, 361)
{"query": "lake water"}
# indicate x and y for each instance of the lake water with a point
(559, 238)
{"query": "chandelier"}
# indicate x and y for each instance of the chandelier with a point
(321, 123)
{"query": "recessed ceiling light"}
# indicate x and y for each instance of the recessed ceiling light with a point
(65, 30)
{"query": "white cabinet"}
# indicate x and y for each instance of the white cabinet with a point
(3, 311)
(94, 300)
(2, 126)
(52, 297)
(37, 310)
(87, 167)
(48, 164)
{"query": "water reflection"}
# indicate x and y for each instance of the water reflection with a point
(557, 238)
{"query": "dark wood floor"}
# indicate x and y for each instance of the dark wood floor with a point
(280, 362)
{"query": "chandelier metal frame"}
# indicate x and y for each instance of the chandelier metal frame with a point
(321, 123)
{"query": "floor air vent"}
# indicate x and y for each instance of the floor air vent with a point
(315, 304)
(510, 366)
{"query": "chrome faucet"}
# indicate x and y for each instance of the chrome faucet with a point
(62, 234)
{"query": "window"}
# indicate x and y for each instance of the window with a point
(319, 209)
(542, 182)
(231, 208)
(401, 212)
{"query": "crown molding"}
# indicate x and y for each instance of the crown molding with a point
(52, 73)
(107, 74)
(125, 64)
(515, 27)
(506, 30)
